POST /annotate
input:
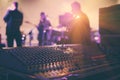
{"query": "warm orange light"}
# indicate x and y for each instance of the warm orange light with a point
(76, 16)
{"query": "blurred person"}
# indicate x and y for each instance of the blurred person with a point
(30, 37)
(43, 29)
(13, 19)
(79, 32)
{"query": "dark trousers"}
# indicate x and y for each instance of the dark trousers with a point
(16, 37)
(40, 38)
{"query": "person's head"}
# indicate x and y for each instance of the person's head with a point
(43, 16)
(76, 7)
(16, 4)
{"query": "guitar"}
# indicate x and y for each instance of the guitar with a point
(50, 28)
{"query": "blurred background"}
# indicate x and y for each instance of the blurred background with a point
(53, 8)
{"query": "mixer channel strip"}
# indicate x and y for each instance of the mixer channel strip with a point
(57, 61)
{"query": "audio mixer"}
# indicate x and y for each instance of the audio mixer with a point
(54, 62)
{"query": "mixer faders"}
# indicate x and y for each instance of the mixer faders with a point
(55, 62)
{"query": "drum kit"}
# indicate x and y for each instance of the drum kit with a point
(56, 35)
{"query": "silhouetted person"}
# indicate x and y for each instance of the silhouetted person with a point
(14, 19)
(43, 28)
(79, 26)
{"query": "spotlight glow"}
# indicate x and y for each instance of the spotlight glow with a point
(76, 16)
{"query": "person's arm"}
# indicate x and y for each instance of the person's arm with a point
(47, 25)
(21, 19)
(7, 17)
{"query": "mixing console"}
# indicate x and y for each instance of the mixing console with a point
(52, 62)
